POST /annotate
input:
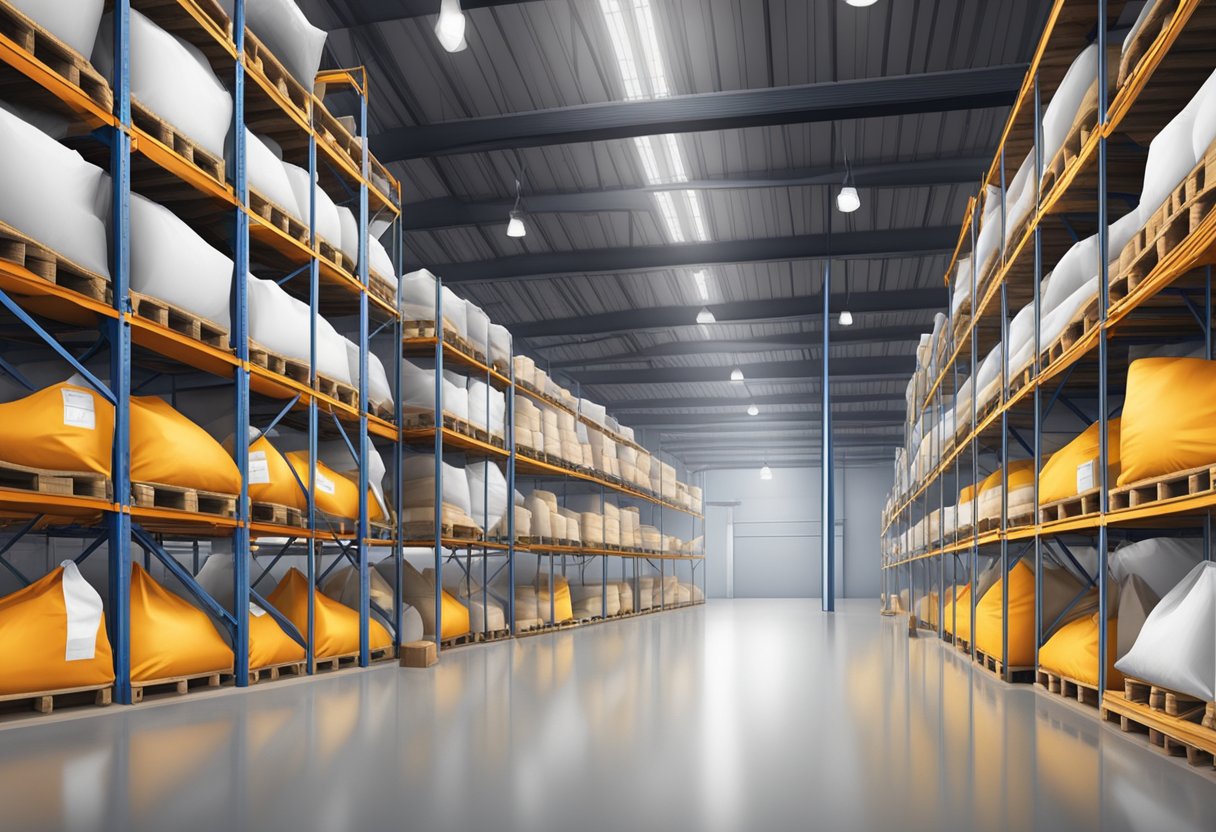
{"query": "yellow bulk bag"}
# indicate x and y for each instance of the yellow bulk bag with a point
(967, 494)
(336, 495)
(168, 448)
(35, 653)
(269, 645)
(64, 427)
(563, 608)
(1073, 652)
(961, 601)
(1058, 479)
(418, 591)
(1169, 416)
(335, 626)
(171, 637)
(271, 479)
(1021, 618)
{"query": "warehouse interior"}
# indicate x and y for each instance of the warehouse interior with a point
(682, 414)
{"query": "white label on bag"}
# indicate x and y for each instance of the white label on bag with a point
(255, 610)
(1085, 476)
(78, 410)
(324, 483)
(259, 469)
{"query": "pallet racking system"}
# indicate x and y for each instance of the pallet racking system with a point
(1140, 300)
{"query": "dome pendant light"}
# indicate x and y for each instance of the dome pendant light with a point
(847, 201)
(449, 29)
(515, 225)
(846, 317)
(705, 316)
(766, 473)
(861, 4)
(752, 410)
(736, 374)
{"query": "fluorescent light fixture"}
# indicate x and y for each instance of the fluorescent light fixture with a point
(766, 473)
(705, 316)
(650, 162)
(618, 31)
(861, 4)
(515, 226)
(698, 219)
(667, 209)
(847, 201)
(675, 158)
(449, 29)
(650, 48)
(700, 278)
(846, 318)
(752, 410)
(736, 374)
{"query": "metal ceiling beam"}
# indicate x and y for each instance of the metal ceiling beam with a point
(894, 366)
(367, 12)
(809, 418)
(621, 406)
(850, 245)
(933, 92)
(451, 213)
(794, 341)
(737, 312)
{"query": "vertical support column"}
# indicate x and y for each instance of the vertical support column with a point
(1004, 543)
(438, 465)
(314, 307)
(239, 315)
(510, 428)
(1103, 353)
(1038, 414)
(399, 450)
(118, 331)
(975, 460)
(361, 527)
(827, 525)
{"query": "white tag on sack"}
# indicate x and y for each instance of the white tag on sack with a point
(259, 468)
(78, 410)
(324, 484)
(1085, 476)
(255, 610)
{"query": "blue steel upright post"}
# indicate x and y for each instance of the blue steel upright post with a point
(827, 525)
(361, 528)
(1103, 352)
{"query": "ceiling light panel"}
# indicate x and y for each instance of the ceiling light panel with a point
(618, 30)
(650, 48)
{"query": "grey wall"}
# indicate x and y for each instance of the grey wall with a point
(777, 536)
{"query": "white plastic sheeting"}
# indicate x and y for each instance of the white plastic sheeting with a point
(173, 79)
(455, 311)
(1062, 109)
(379, 393)
(487, 407)
(1161, 562)
(418, 390)
(172, 262)
(500, 344)
(50, 193)
(287, 33)
(281, 324)
(75, 22)
(418, 296)
(1176, 648)
(487, 493)
(349, 244)
(266, 175)
(329, 224)
(378, 260)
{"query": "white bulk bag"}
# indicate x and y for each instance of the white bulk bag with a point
(1161, 562)
(541, 516)
(478, 323)
(1062, 110)
(329, 224)
(266, 175)
(1172, 153)
(379, 263)
(988, 378)
(455, 312)
(1020, 199)
(170, 261)
(960, 300)
(418, 296)
(75, 22)
(280, 323)
(1176, 648)
(479, 402)
(379, 393)
(487, 493)
(172, 78)
(485, 611)
(349, 224)
(335, 454)
(295, 42)
(500, 344)
(50, 193)
(1204, 129)
(418, 390)
(418, 473)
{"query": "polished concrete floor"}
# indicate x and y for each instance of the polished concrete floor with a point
(740, 715)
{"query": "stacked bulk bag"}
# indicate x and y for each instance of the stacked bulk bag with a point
(343, 587)
(1168, 423)
(500, 347)
(335, 625)
(172, 78)
(379, 263)
(487, 493)
(562, 608)
(418, 591)
(1176, 647)
(269, 644)
(74, 22)
(1076, 464)
(487, 408)
(485, 613)
(419, 479)
(53, 636)
(52, 195)
(588, 600)
(169, 449)
(328, 222)
(625, 594)
(379, 393)
(541, 514)
(170, 637)
(1021, 491)
(1161, 562)
(64, 427)
(1060, 587)
(295, 42)
(281, 324)
(478, 327)
(958, 608)
(267, 177)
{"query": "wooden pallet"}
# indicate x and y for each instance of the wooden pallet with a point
(177, 141)
(1083, 692)
(336, 134)
(1178, 724)
(278, 217)
(1189, 483)
(1078, 505)
(996, 667)
(178, 17)
(61, 59)
(475, 638)
(262, 61)
(1078, 134)
(1181, 214)
(385, 291)
(273, 672)
(179, 320)
(426, 420)
(180, 685)
(24, 251)
(291, 368)
(1158, 19)
(61, 483)
(989, 524)
(374, 654)
(44, 701)
(425, 530)
(278, 514)
(336, 255)
(159, 495)
(417, 329)
(338, 390)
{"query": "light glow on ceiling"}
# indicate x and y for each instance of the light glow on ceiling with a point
(701, 278)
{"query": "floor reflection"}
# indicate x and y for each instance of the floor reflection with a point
(738, 715)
